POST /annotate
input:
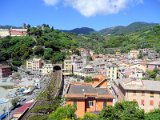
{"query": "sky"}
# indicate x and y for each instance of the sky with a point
(69, 14)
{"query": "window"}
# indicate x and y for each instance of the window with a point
(143, 93)
(104, 104)
(75, 104)
(151, 103)
(134, 93)
(90, 103)
(151, 94)
(142, 102)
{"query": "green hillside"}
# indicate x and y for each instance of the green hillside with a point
(54, 45)
(42, 41)
(133, 27)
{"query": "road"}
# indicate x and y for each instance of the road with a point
(58, 79)
(32, 96)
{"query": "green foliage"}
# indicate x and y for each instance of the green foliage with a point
(154, 115)
(152, 73)
(15, 102)
(66, 112)
(157, 78)
(17, 62)
(122, 111)
(109, 113)
(38, 50)
(58, 56)
(88, 79)
(42, 41)
(90, 116)
(48, 53)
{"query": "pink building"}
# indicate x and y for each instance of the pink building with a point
(153, 65)
(18, 32)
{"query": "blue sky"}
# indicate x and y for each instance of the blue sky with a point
(69, 14)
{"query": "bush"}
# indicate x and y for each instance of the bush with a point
(88, 79)
(15, 102)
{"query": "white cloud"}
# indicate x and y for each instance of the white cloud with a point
(93, 7)
(51, 2)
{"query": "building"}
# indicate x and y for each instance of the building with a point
(13, 32)
(18, 32)
(4, 32)
(139, 66)
(145, 92)
(5, 71)
(47, 68)
(67, 67)
(89, 97)
(133, 54)
(153, 65)
(34, 65)
(112, 71)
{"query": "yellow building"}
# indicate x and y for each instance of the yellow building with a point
(118, 52)
(34, 64)
(134, 54)
(112, 71)
(67, 67)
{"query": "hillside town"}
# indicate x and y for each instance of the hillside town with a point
(90, 81)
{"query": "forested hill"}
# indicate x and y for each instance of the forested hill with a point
(41, 41)
(83, 30)
(7, 26)
(50, 44)
(133, 27)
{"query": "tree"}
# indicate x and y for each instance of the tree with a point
(90, 116)
(38, 50)
(48, 53)
(125, 110)
(151, 74)
(109, 113)
(66, 112)
(15, 102)
(153, 115)
(58, 57)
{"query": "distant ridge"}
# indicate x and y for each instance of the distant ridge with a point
(133, 27)
(8, 26)
(83, 30)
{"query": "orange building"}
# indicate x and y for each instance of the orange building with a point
(89, 97)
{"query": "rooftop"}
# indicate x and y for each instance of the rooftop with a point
(85, 90)
(133, 84)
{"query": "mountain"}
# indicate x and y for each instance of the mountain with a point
(83, 30)
(7, 26)
(133, 27)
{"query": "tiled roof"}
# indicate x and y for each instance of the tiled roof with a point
(133, 84)
(85, 90)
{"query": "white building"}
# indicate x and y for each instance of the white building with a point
(4, 32)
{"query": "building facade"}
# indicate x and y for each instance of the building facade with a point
(89, 97)
(67, 67)
(5, 71)
(146, 93)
